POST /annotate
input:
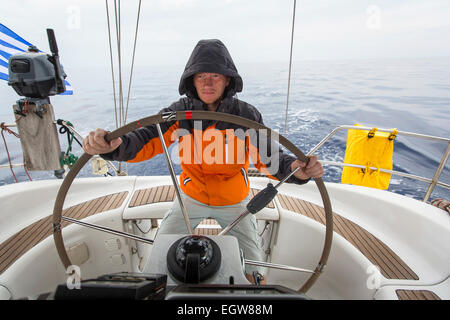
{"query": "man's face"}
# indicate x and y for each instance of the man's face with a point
(210, 86)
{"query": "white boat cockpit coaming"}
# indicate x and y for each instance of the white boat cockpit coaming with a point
(383, 242)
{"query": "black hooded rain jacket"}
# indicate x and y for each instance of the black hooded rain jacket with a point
(214, 155)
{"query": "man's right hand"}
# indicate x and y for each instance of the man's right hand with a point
(95, 143)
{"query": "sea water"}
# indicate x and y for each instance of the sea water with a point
(411, 95)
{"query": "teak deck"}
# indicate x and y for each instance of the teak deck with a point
(390, 264)
(416, 295)
(18, 244)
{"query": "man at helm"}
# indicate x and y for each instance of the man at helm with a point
(213, 183)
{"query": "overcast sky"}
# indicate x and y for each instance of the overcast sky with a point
(253, 30)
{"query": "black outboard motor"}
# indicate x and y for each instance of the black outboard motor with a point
(36, 75)
(32, 74)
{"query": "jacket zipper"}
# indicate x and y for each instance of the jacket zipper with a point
(244, 174)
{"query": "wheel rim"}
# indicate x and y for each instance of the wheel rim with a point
(194, 115)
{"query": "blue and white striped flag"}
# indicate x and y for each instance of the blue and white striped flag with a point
(10, 44)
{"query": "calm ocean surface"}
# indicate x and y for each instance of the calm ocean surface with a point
(410, 95)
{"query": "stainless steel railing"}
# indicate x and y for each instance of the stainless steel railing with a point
(432, 182)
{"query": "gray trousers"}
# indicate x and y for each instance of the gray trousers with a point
(246, 231)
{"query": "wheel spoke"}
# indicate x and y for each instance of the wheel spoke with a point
(174, 180)
(108, 230)
(275, 266)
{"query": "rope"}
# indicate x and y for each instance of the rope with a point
(6, 147)
(290, 67)
(441, 204)
(112, 64)
(64, 129)
(132, 61)
(68, 159)
(4, 128)
(26, 171)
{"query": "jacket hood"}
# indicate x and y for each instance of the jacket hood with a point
(210, 56)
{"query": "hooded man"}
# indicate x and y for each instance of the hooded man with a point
(213, 183)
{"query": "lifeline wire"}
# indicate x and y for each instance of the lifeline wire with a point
(5, 128)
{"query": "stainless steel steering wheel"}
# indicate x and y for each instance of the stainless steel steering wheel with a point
(194, 115)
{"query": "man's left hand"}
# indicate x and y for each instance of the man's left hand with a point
(313, 169)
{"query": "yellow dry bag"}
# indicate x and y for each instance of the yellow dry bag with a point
(370, 149)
